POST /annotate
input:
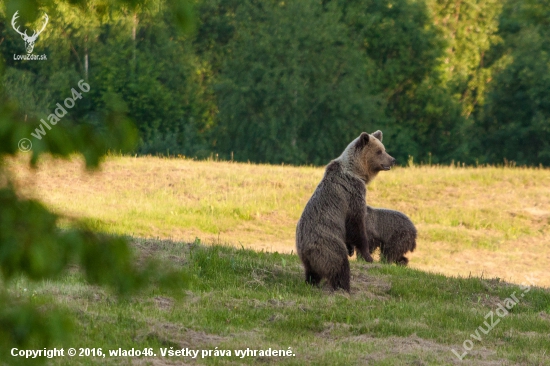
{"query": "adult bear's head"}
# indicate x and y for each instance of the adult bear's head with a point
(366, 156)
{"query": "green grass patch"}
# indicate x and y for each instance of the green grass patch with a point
(238, 299)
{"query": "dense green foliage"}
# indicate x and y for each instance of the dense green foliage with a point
(294, 81)
(32, 246)
(516, 121)
(281, 103)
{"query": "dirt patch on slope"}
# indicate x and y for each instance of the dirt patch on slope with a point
(426, 351)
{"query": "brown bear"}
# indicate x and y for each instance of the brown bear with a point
(334, 217)
(391, 231)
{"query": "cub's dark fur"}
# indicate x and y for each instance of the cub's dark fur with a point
(334, 218)
(391, 231)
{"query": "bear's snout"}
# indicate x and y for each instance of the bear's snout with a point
(387, 165)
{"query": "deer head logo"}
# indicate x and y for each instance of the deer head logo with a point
(29, 40)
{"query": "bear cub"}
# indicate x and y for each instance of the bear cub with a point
(391, 231)
(335, 216)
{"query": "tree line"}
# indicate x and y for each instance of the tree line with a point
(294, 81)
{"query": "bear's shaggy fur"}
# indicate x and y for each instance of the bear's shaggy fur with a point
(391, 231)
(334, 217)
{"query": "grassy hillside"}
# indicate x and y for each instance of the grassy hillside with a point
(239, 299)
(490, 221)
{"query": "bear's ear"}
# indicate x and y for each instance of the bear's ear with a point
(362, 141)
(378, 135)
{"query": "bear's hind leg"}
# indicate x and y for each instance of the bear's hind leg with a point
(403, 261)
(341, 277)
(312, 278)
(391, 251)
(351, 249)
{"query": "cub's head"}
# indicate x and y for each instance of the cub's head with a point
(366, 156)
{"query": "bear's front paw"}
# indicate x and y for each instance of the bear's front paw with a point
(369, 259)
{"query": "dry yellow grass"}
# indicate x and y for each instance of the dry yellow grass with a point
(489, 221)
